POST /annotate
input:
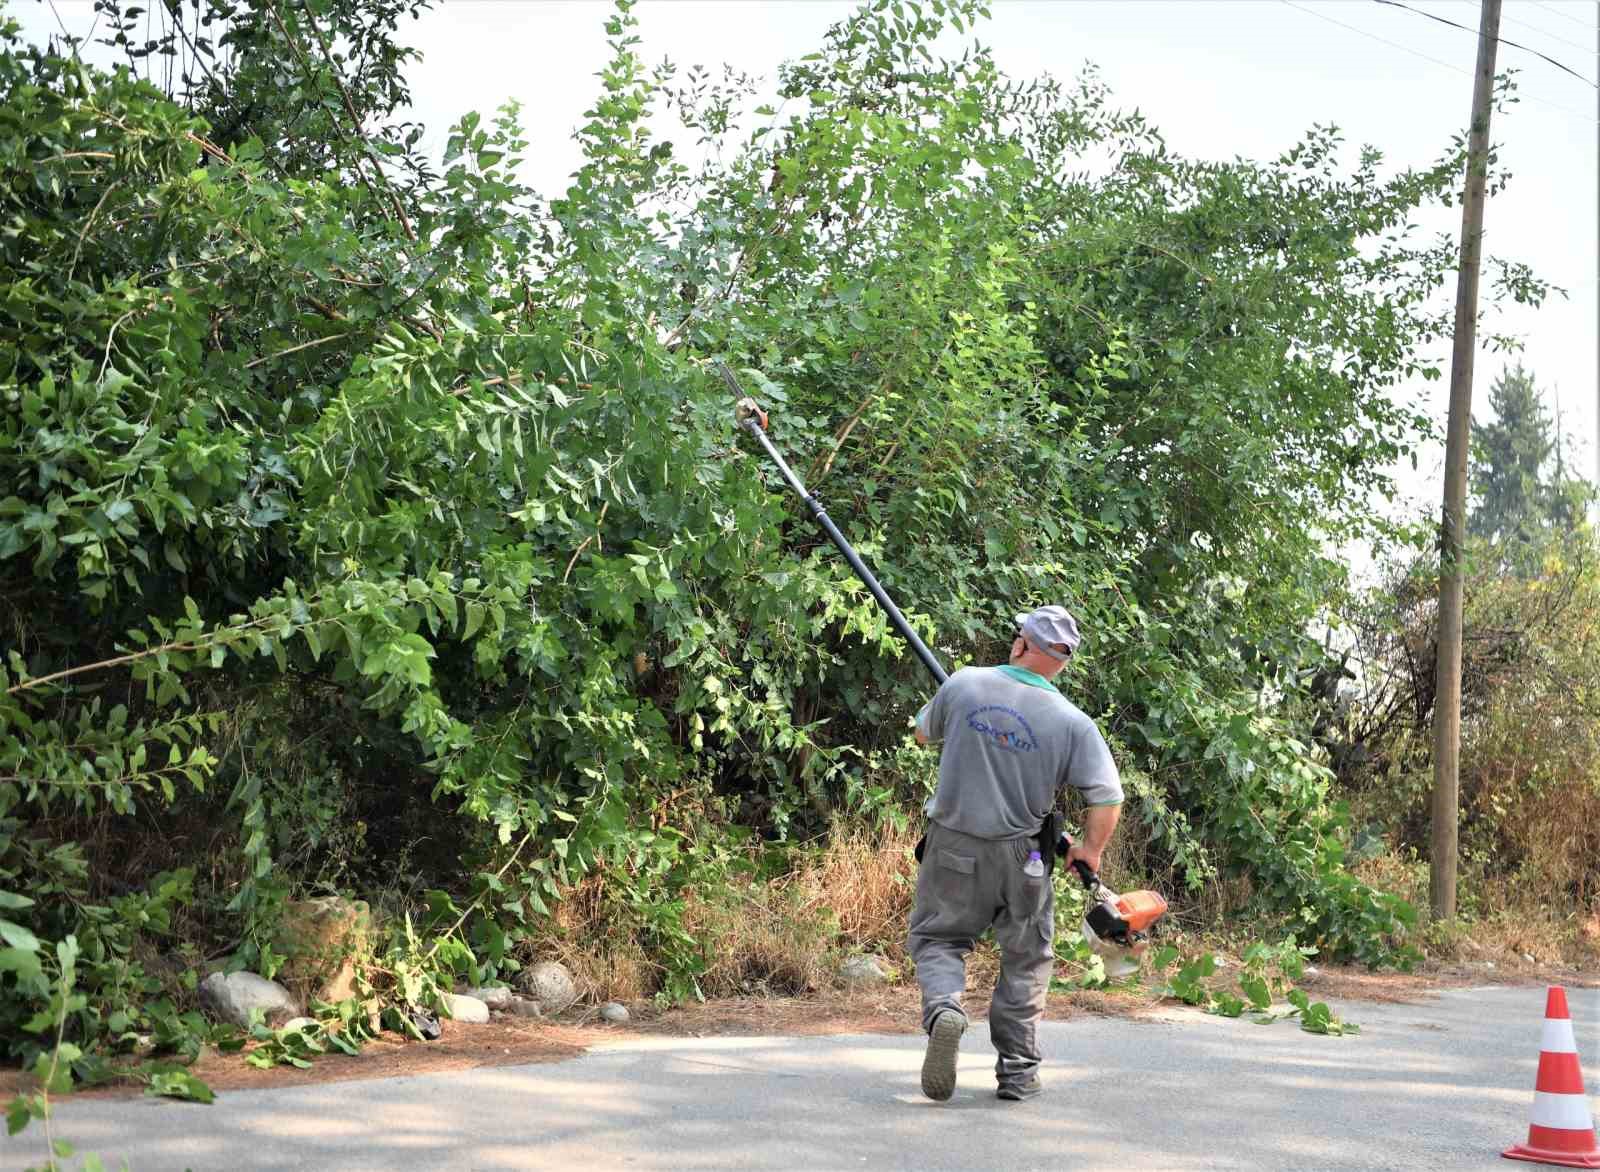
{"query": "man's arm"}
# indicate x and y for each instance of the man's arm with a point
(930, 721)
(1098, 824)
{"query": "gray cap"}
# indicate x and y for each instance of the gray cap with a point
(1048, 626)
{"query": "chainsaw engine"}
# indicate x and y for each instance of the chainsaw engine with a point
(1117, 927)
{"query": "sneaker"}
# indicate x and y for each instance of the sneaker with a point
(939, 1063)
(1017, 1091)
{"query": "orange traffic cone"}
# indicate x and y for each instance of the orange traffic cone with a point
(1562, 1131)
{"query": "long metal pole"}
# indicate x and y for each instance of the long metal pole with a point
(1447, 680)
(751, 423)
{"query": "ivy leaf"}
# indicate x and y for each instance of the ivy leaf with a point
(178, 1084)
(17, 936)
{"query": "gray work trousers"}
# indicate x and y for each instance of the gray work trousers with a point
(964, 885)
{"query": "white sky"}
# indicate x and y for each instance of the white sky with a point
(1219, 78)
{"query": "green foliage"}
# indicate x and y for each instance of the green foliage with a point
(1530, 757)
(1523, 496)
(345, 1033)
(369, 525)
(1267, 972)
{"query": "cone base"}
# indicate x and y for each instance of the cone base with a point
(1550, 1156)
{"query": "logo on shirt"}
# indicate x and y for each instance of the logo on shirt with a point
(1004, 728)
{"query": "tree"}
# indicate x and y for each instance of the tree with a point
(335, 491)
(1519, 474)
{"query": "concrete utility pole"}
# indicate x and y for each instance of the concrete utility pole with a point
(1452, 522)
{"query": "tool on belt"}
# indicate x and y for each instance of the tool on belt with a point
(1116, 926)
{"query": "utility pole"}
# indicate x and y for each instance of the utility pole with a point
(1452, 522)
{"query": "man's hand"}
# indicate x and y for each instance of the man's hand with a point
(1098, 824)
(1081, 853)
(922, 737)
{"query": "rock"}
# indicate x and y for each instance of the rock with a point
(615, 1012)
(466, 1009)
(524, 1007)
(1311, 970)
(494, 996)
(1528, 956)
(322, 940)
(231, 997)
(550, 984)
(863, 970)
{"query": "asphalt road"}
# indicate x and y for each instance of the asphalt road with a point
(1442, 1084)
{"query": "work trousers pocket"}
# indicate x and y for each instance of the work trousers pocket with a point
(947, 895)
(953, 877)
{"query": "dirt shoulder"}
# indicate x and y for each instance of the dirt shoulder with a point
(891, 1009)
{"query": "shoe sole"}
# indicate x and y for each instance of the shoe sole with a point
(939, 1063)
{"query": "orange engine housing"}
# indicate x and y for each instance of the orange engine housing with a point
(1141, 909)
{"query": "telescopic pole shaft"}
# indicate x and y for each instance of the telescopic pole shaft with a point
(930, 661)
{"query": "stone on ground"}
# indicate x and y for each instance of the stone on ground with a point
(466, 1009)
(615, 1012)
(550, 984)
(231, 997)
(322, 940)
(494, 996)
(863, 970)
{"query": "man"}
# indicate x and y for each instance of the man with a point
(1009, 742)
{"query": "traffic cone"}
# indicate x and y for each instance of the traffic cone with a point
(1562, 1131)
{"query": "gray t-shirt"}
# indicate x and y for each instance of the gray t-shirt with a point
(1010, 742)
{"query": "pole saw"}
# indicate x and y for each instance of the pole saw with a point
(1116, 927)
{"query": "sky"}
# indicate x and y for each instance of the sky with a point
(1219, 78)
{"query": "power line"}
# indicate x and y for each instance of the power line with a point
(1542, 31)
(1501, 40)
(1376, 37)
(1568, 110)
(1558, 12)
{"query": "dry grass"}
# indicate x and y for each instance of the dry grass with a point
(760, 939)
(866, 880)
(1513, 918)
(783, 936)
(606, 965)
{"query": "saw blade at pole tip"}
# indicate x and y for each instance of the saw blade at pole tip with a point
(728, 379)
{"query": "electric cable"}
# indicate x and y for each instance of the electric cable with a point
(1558, 12)
(1376, 37)
(1500, 40)
(1568, 110)
(1541, 30)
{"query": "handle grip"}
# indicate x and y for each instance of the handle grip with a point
(1091, 878)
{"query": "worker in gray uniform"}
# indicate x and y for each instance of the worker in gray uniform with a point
(1009, 741)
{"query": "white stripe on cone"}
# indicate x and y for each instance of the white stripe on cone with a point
(1558, 1037)
(1564, 1112)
